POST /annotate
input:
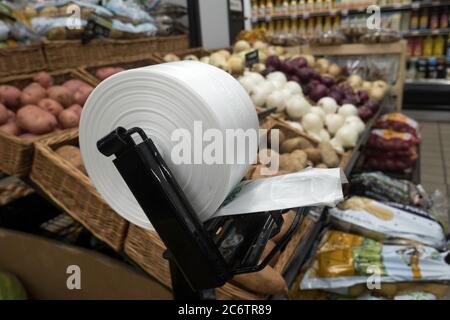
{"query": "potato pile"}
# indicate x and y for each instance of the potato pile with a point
(106, 72)
(42, 107)
(296, 152)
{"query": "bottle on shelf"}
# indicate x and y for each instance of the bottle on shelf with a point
(411, 72)
(327, 24)
(443, 23)
(337, 23)
(255, 8)
(434, 20)
(418, 47)
(423, 24)
(301, 29)
(318, 5)
(286, 25)
(293, 7)
(428, 46)
(421, 68)
(441, 68)
(310, 27)
(285, 8)
(262, 8)
(439, 46)
(309, 6)
(432, 69)
(294, 26)
(301, 6)
(269, 8)
(318, 27)
(278, 7)
(414, 22)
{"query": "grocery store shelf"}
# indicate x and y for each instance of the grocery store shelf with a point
(428, 82)
(346, 12)
(426, 32)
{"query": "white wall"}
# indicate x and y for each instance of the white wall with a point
(214, 23)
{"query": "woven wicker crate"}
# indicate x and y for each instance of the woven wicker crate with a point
(72, 53)
(199, 52)
(89, 71)
(145, 248)
(22, 59)
(74, 192)
(172, 43)
(15, 154)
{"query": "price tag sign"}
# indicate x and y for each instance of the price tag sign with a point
(293, 16)
(251, 58)
(306, 15)
(268, 18)
(344, 12)
(415, 5)
(437, 31)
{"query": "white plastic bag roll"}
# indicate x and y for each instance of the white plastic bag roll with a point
(160, 99)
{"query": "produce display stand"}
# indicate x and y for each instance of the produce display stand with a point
(199, 52)
(16, 154)
(22, 59)
(395, 48)
(72, 190)
(72, 53)
(89, 70)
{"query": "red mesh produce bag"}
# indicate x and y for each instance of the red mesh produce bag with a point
(389, 140)
(398, 122)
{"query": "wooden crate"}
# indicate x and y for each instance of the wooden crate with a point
(172, 43)
(89, 70)
(22, 59)
(72, 53)
(16, 154)
(73, 191)
(145, 248)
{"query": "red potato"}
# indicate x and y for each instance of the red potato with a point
(82, 94)
(44, 79)
(68, 119)
(29, 137)
(50, 105)
(76, 108)
(10, 96)
(32, 94)
(10, 128)
(61, 94)
(33, 119)
(4, 115)
(106, 72)
(11, 116)
(74, 84)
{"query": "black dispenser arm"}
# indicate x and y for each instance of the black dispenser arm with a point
(202, 256)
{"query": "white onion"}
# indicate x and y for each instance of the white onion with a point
(277, 84)
(337, 145)
(328, 105)
(357, 122)
(324, 135)
(314, 135)
(293, 86)
(297, 106)
(241, 45)
(312, 122)
(333, 122)
(277, 76)
(347, 136)
(248, 83)
(257, 78)
(259, 96)
(348, 110)
(276, 99)
(319, 111)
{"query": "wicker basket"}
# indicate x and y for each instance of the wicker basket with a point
(172, 43)
(15, 154)
(146, 248)
(72, 53)
(198, 52)
(22, 59)
(89, 71)
(73, 191)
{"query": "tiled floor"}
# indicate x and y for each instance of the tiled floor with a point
(435, 160)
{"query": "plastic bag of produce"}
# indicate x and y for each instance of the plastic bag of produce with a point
(398, 122)
(129, 10)
(386, 222)
(345, 259)
(378, 186)
(389, 140)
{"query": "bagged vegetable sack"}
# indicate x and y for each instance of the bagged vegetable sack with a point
(345, 259)
(388, 222)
